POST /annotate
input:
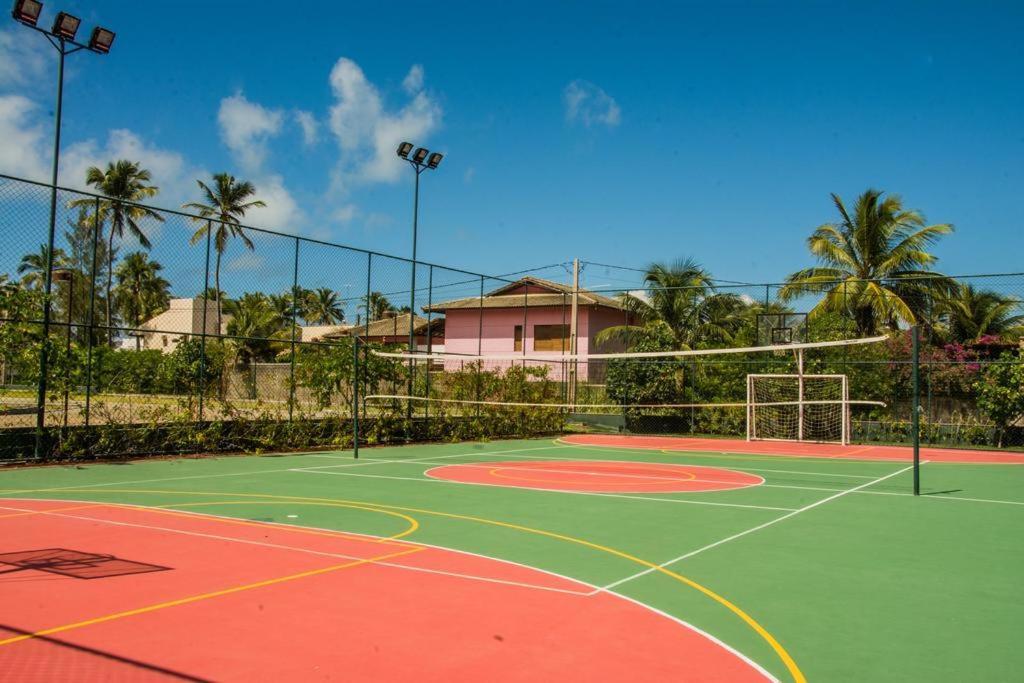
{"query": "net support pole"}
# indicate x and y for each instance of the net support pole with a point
(355, 397)
(915, 415)
(800, 393)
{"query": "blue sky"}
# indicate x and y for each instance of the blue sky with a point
(616, 132)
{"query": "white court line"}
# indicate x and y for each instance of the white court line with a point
(594, 588)
(759, 527)
(530, 488)
(277, 546)
(742, 468)
(498, 465)
(361, 462)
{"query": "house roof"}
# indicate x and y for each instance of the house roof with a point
(386, 327)
(557, 295)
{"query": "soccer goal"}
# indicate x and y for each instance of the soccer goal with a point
(798, 407)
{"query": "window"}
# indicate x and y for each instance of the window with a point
(164, 339)
(518, 336)
(550, 337)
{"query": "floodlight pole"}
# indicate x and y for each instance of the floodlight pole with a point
(64, 47)
(419, 165)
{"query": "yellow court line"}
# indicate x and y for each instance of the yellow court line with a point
(168, 510)
(776, 646)
(203, 596)
(497, 473)
(40, 512)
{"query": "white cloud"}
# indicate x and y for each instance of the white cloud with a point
(23, 58)
(310, 127)
(245, 128)
(345, 214)
(469, 175)
(175, 177)
(249, 261)
(21, 152)
(589, 104)
(282, 212)
(367, 132)
(413, 81)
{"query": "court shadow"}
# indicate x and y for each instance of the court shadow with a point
(939, 493)
(74, 563)
(103, 671)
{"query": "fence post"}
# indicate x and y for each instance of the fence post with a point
(479, 343)
(430, 348)
(206, 307)
(355, 396)
(295, 313)
(92, 307)
(915, 417)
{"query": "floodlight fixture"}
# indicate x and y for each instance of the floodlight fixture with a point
(101, 40)
(27, 11)
(420, 154)
(434, 160)
(404, 149)
(66, 26)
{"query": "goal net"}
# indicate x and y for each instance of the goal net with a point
(798, 407)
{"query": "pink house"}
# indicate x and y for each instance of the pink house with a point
(531, 317)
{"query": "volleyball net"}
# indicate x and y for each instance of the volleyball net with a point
(789, 391)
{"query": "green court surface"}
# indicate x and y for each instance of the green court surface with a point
(828, 570)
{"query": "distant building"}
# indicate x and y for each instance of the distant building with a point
(531, 316)
(183, 319)
(394, 329)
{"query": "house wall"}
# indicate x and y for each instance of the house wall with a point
(462, 333)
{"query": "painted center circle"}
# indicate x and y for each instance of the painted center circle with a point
(597, 476)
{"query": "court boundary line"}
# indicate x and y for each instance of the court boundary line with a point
(432, 480)
(764, 525)
(491, 466)
(595, 589)
(787, 660)
(368, 538)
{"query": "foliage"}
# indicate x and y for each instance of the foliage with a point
(970, 314)
(643, 381)
(327, 371)
(875, 264)
(141, 292)
(1001, 392)
(124, 183)
(227, 202)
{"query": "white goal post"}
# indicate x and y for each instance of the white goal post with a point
(798, 407)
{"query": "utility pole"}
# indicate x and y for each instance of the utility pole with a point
(573, 330)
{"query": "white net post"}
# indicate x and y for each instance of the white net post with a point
(800, 394)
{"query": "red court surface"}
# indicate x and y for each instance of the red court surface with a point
(596, 476)
(791, 448)
(220, 599)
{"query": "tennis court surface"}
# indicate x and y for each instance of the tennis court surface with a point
(582, 558)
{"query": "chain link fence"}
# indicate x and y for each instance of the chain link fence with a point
(179, 341)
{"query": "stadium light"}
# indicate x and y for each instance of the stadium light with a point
(101, 40)
(66, 26)
(27, 11)
(62, 37)
(422, 159)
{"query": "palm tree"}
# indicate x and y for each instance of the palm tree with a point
(681, 297)
(32, 267)
(258, 327)
(377, 306)
(141, 292)
(124, 183)
(875, 264)
(973, 313)
(227, 202)
(324, 307)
